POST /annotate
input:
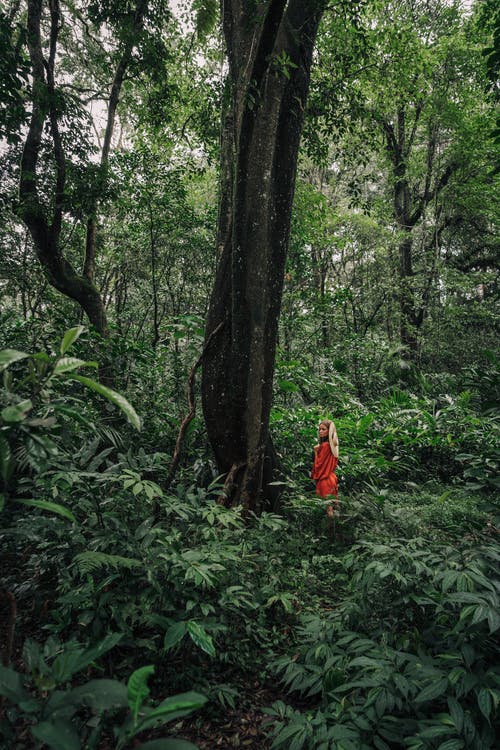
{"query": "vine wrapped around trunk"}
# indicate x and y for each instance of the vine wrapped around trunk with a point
(269, 48)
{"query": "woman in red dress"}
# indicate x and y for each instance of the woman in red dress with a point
(326, 458)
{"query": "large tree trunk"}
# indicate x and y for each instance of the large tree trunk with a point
(269, 48)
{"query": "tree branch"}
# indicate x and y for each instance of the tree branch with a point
(90, 243)
(192, 409)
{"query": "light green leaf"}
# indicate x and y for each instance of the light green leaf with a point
(287, 386)
(67, 364)
(170, 709)
(7, 356)
(113, 396)
(70, 337)
(174, 635)
(200, 637)
(138, 690)
(58, 735)
(48, 505)
(17, 412)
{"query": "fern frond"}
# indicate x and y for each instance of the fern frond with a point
(112, 435)
(90, 562)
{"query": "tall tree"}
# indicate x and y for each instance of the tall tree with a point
(269, 50)
(112, 31)
(413, 88)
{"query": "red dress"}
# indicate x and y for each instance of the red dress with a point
(323, 471)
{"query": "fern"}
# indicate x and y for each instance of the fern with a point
(90, 562)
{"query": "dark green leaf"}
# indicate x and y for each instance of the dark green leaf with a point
(100, 695)
(174, 635)
(433, 690)
(485, 703)
(167, 744)
(11, 686)
(58, 735)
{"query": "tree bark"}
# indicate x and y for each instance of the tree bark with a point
(269, 48)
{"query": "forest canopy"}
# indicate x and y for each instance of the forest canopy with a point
(220, 225)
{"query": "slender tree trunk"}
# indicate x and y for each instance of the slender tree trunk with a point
(408, 211)
(121, 69)
(269, 49)
(45, 233)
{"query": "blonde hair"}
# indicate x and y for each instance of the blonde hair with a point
(332, 436)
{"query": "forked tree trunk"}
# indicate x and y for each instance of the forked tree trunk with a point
(269, 47)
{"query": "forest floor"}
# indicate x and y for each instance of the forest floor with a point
(241, 727)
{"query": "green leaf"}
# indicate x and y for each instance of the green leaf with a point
(432, 691)
(456, 713)
(113, 396)
(50, 506)
(7, 356)
(17, 412)
(95, 652)
(70, 337)
(485, 703)
(170, 709)
(455, 744)
(58, 735)
(493, 619)
(67, 364)
(11, 686)
(200, 637)
(138, 690)
(167, 744)
(432, 732)
(100, 695)
(287, 386)
(174, 635)
(206, 16)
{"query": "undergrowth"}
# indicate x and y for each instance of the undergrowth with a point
(381, 629)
